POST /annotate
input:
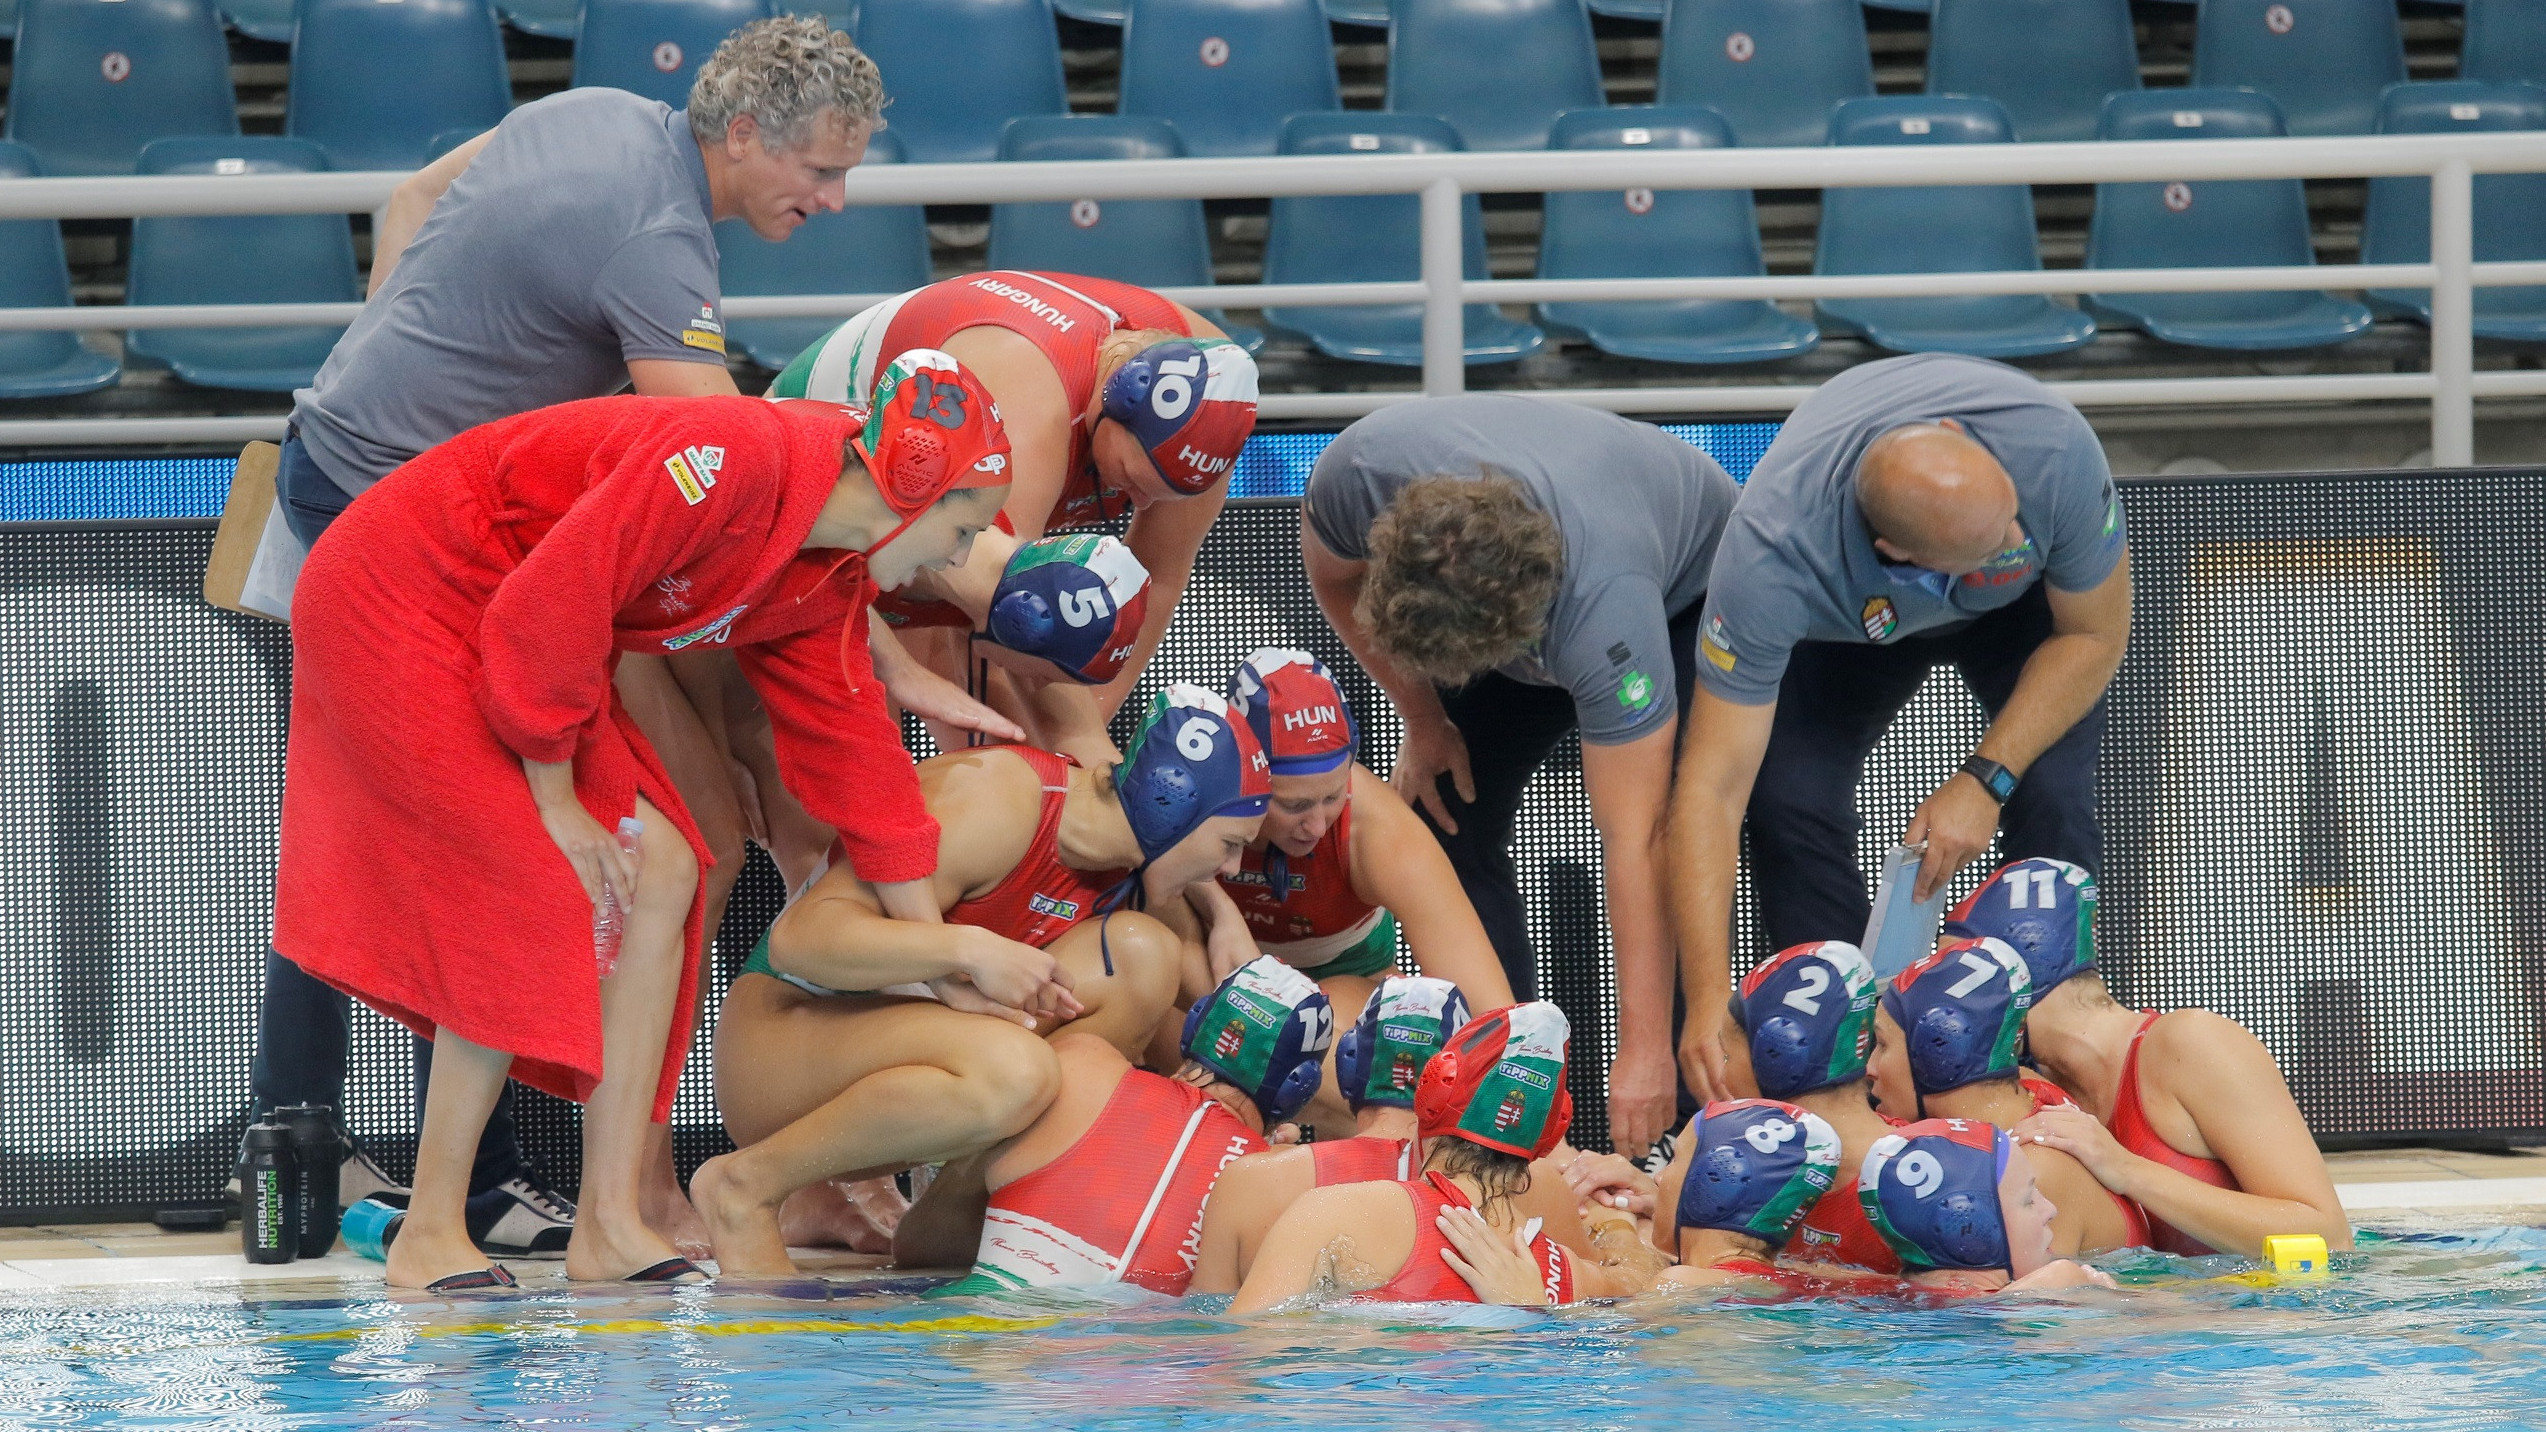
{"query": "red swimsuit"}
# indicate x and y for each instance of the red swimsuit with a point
(2047, 1095)
(1068, 316)
(1361, 1160)
(1322, 918)
(1041, 899)
(1123, 1204)
(1426, 1278)
(2132, 1131)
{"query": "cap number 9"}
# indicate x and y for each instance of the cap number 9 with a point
(1194, 739)
(1768, 1135)
(1174, 391)
(1922, 1173)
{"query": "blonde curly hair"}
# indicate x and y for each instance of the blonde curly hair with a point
(1461, 574)
(787, 73)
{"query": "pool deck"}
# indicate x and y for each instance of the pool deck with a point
(103, 1254)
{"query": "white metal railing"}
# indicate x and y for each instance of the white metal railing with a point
(1443, 180)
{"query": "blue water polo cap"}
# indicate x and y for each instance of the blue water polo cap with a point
(1962, 1011)
(1191, 760)
(2044, 909)
(1406, 1021)
(1071, 606)
(1809, 1015)
(1931, 1190)
(1758, 1169)
(1265, 1029)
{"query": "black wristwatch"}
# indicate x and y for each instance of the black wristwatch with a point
(1996, 779)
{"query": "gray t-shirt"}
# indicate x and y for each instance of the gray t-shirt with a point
(576, 240)
(1798, 562)
(1640, 511)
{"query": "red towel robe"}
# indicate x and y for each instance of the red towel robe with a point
(468, 613)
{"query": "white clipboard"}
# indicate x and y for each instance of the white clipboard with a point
(1903, 930)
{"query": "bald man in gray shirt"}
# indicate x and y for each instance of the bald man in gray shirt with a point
(1912, 513)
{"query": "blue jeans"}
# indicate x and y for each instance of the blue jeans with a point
(303, 1026)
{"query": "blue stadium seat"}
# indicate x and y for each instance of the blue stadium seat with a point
(2510, 209)
(1499, 70)
(1095, 12)
(551, 19)
(1648, 10)
(1956, 229)
(2049, 62)
(865, 248)
(372, 84)
(33, 275)
(1672, 233)
(1373, 13)
(267, 20)
(2211, 224)
(290, 258)
(654, 47)
(2505, 41)
(1375, 238)
(1772, 68)
(1156, 243)
(2324, 60)
(960, 69)
(90, 84)
(1226, 73)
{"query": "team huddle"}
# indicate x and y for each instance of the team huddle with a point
(1136, 1015)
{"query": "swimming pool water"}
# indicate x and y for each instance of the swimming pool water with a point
(2428, 1327)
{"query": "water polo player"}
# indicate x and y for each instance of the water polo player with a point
(1117, 402)
(856, 1043)
(1803, 1022)
(1957, 1201)
(1487, 1107)
(2184, 1113)
(1109, 1185)
(1341, 862)
(1952, 1026)
(454, 734)
(1757, 1168)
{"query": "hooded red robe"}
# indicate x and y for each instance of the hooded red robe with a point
(467, 615)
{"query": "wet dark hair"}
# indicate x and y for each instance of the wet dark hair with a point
(1498, 1175)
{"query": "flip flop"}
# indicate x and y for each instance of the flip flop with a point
(489, 1277)
(670, 1270)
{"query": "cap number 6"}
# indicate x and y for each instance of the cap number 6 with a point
(1194, 739)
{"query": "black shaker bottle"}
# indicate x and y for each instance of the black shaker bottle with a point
(269, 1195)
(320, 1150)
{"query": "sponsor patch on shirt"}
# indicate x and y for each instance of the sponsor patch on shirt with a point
(705, 332)
(1879, 618)
(1713, 644)
(694, 471)
(1047, 905)
(1635, 691)
(713, 631)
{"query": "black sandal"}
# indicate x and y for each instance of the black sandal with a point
(670, 1270)
(488, 1277)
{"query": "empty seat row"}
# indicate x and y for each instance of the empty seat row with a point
(1698, 233)
(376, 86)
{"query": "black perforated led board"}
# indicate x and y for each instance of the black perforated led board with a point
(2323, 793)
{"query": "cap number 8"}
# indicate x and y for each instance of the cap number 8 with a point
(1922, 1173)
(1194, 739)
(1174, 392)
(1769, 1135)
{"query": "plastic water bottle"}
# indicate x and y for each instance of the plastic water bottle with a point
(371, 1226)
(270, 1195)
(320, 1150)
(609, 921)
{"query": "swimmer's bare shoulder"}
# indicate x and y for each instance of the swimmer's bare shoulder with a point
(2192, 1064)
(988, 803)
(1335, 1241)
(1250, 1194)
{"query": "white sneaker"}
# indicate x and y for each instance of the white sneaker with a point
(360, 1178)
(519, 1219)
